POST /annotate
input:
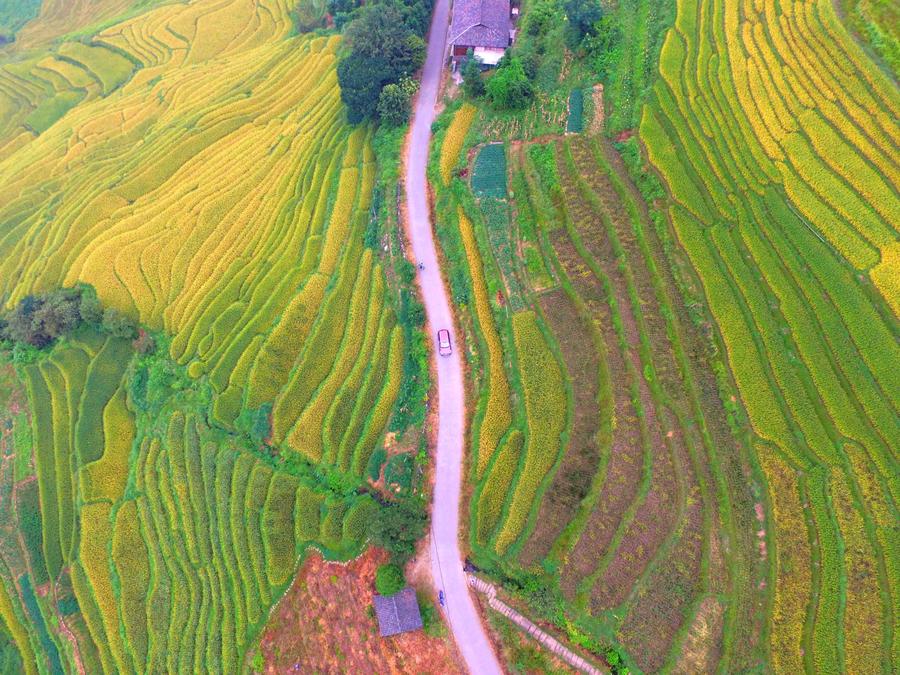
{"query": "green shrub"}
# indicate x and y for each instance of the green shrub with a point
(389, 579)
(510, 88)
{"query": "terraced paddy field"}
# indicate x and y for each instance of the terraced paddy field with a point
(784, 177)
(691, 458)
(192, 163)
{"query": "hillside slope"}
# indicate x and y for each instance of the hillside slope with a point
(193, 164)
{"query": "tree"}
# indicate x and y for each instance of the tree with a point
(56, 316)
(117, 324)
(90, 309)
(389, 579)
(582, 16)
(510, 88)
(39, 320)
(473, 83)
(394, 102)
(383, 50)
(379, 32)
(541, 17)
(603, 45)
(360, 79)
(397, 528)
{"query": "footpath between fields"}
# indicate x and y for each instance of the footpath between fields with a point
(527, 626)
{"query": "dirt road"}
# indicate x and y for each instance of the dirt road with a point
(446, 558)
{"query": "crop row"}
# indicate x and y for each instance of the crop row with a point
(624, 464)
(489, 172)
(200, 548)
(319, 351)
(545, 412)
(581, 351)
(638, 568)
(362, 325)
(373, 430)
(497, 415)
(109, 68)
(225, 263)
(346, 433)
(453, 140)
(835, 367)
(501, 473)
(789, 311)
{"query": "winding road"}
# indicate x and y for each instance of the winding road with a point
(446, 558)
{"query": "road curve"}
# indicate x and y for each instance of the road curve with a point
(446, 559)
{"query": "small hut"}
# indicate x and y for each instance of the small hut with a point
(398, 613)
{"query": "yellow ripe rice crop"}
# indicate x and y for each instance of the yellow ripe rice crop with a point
(886, 276)
(497, 415)
(793, 563)
(96, 532)
(545, 408)
(840, 197)
(184, 236)
(106, 478)
(339, 224)
(454, 139)
(783, 271)
(842, 236)
(193, 163)
(844, 161)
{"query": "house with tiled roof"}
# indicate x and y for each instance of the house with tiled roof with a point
(398, 613)
(484, 26)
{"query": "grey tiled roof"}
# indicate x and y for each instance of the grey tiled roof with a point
(480, 23)
(398, 613)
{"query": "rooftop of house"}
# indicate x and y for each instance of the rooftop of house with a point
(480, 23)
(398, 613)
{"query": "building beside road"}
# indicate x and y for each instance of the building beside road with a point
(484, 26)
(398, 613)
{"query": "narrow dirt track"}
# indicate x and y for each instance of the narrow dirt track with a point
(447, 564)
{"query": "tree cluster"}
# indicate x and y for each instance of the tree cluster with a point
(397, 528)
(582, 17)
(39, 320)
(510, 88)
(384, 39)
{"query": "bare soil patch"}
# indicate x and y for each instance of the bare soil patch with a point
(596, 126)
(325, 624)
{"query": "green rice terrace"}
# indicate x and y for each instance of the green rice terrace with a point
(670, 234)
(682, 333)
(192, 414)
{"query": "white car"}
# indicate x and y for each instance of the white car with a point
(444, 348)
